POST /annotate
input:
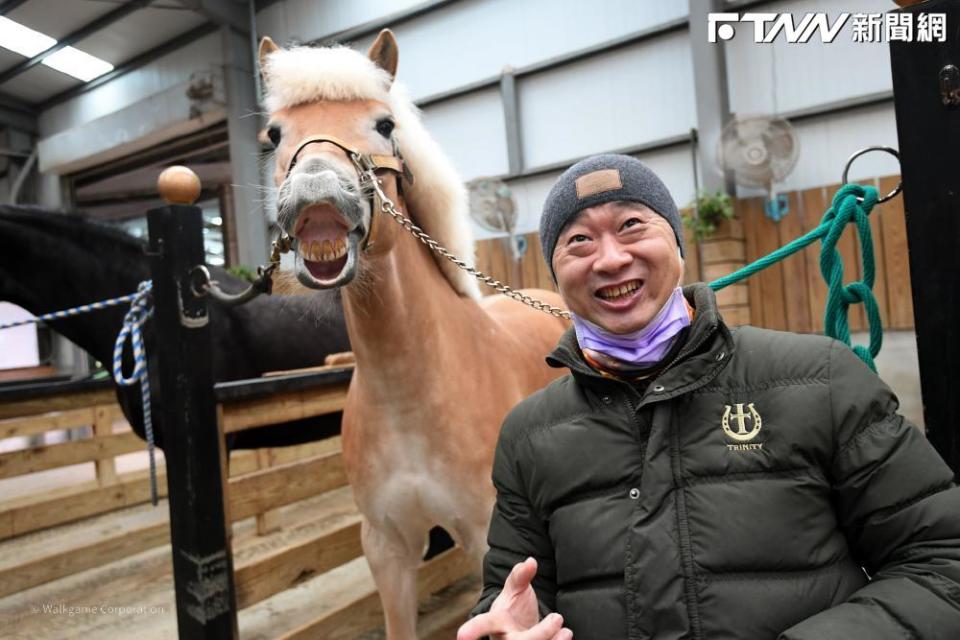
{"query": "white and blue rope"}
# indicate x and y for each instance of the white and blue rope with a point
(75, 311)
(140, 310)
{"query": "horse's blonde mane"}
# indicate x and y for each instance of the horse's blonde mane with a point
(437, 199)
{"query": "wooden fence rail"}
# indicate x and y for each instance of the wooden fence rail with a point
(290, 473)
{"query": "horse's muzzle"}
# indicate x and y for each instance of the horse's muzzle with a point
(324, 215)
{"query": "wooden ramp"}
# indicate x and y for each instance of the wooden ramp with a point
(91, 558)
(307, 580)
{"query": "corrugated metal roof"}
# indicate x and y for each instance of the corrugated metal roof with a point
(142, 30)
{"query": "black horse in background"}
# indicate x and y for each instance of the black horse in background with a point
(51, 261)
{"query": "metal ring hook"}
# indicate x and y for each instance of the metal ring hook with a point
(891, 151)
(206, 285)
(200, 281)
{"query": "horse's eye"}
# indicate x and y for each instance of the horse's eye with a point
(385, 127)
(274, 134)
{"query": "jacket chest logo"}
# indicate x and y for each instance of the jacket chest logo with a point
(735, 425)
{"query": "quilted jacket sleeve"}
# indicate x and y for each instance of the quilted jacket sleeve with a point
(516, 532)
(897, 504)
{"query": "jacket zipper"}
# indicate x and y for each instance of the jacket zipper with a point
(636, 421)
(688, 349)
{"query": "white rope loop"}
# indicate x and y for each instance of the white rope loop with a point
(139, 312)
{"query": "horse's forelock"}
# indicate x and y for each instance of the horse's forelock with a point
(309, 74)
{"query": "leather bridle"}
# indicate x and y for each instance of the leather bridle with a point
(367, 165)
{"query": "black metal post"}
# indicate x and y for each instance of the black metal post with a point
(193, 443)
(928, 126)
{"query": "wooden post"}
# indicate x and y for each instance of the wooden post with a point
(103, 426)
(268, 521)
(194, 445)
(928, 128)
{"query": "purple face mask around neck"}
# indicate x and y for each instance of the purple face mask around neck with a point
(641, 348)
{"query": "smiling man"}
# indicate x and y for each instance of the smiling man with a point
(689, 481)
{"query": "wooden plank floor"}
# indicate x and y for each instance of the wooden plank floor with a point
(133, 597)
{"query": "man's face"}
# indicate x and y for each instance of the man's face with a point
(617, 264)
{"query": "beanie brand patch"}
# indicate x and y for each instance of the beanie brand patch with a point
(598, 182)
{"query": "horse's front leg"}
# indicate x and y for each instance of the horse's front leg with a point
(394, 562)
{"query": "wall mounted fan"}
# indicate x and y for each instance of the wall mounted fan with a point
(759, 151)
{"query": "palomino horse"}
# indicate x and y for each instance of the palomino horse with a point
(437, 368)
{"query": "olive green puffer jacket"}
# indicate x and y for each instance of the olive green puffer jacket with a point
(761, 487)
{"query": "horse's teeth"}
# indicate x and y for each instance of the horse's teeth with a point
(324, 250)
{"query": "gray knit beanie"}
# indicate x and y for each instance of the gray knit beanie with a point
(596, 180)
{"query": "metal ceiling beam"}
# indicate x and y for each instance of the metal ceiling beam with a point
(86, 30)
(17, 114)
(131, 65)
(9, 5)
(247, 217)
(711, 94)
(225, 13)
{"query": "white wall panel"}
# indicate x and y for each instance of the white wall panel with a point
(675, 167)
(474, 39)
(529, 194)
(163, 73)
(627, 97)
(307, 20)
(18, 346)
(782, 77)
(470, 129)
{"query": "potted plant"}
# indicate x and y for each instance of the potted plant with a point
(706, 212)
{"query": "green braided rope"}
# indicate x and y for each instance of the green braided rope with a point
(852, 203)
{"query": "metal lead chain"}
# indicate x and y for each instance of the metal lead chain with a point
(387, 206)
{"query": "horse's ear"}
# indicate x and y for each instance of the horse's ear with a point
(267, 46)
(384, 52)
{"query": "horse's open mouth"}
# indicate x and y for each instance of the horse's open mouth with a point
(326, 247)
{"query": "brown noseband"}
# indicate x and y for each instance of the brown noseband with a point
(367, 166)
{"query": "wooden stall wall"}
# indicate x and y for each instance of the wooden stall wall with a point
(790, 295)
(495, 259)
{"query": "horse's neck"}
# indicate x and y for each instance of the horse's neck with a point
(69, 273)
(53, 274)
(404, 313)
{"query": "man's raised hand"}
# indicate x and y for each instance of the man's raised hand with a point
(514, 615)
